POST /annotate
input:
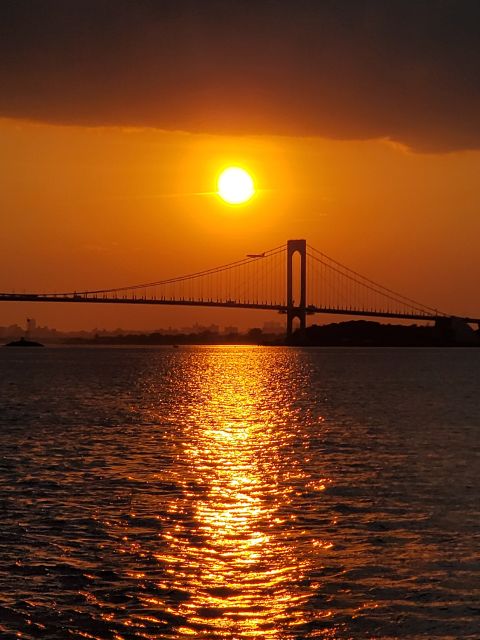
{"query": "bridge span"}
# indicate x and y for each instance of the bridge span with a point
(294, 279)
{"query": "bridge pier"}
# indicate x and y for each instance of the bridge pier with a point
(293, 310)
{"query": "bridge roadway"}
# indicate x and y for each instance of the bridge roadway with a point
(225, 304)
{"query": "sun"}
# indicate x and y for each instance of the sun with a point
(235, 185)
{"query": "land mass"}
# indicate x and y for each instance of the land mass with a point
(362, 333)
(23, 342)
(365, 333)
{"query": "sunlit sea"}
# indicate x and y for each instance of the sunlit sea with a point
(239, 493)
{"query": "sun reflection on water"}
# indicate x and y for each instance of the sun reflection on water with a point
(233, 493)
(231, 543)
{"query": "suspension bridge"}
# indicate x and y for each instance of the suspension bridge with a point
(294, 279)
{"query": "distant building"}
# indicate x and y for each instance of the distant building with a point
(276, 328)
(31, 326)
(230, 331)
(199, 328)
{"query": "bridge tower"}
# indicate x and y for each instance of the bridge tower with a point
(296, 310)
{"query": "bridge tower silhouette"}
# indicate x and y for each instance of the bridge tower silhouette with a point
(294, 279)
(297, 311)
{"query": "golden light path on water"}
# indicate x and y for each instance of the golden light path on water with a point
(244, 563)
(236, 493)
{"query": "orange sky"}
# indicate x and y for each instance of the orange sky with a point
(115, 116)
(86, 208)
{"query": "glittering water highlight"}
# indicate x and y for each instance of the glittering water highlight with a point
(239, 492)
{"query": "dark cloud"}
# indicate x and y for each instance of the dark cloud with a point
(404, 69)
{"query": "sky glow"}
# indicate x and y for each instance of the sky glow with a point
(360, 121)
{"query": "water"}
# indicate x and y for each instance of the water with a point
(239, 493)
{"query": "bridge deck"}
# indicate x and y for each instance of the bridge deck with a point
(225, 304)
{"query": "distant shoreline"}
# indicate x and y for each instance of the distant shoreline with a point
(355, 333)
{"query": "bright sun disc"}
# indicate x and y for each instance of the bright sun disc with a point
(235, 185)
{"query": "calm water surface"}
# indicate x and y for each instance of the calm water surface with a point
(239, 493)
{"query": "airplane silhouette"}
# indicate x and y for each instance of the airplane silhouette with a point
(256, 255)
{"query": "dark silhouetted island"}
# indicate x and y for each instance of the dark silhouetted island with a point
(364, 333)
(23, 342)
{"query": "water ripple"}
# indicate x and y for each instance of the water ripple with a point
(239, 493)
